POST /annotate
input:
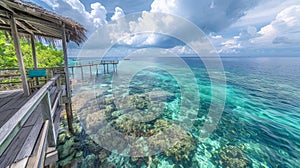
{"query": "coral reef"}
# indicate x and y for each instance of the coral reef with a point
(232, 156)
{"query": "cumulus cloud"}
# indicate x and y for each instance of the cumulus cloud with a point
(283, 30)
(263, 12)
(211, 16)
(98, 14)
(76, 10)
(118, 14)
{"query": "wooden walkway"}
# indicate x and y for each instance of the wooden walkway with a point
(29, 126)
(96, 66)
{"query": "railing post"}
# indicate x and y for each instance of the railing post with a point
(58, 84)
(46, 103)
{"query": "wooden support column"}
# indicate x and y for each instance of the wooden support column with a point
(15, 36)
(68, 87)
(35, 63)
(34, 52)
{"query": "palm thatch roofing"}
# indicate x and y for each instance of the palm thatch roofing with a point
(34, 20)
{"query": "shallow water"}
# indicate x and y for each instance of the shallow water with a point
(259, 126)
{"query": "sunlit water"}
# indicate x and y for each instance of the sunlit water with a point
(260, 124)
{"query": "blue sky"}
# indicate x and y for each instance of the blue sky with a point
(235, 27)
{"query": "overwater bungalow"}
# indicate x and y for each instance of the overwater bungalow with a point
(30, 118)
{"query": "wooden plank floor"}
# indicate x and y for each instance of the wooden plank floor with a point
(10, 103)
(23, 144)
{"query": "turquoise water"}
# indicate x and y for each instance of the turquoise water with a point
(259, 127)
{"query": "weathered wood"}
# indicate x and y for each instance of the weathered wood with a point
(24, 27)
(2, 4)
(9, 109)
(51, 157)
(9, 75)
(35, 62)
(68, 87)
(30, 141)
(15, 37)
(7, 97)
(37, 159)
(56, 119)
(34, 12)
(9, 155)
(56, 103)
(21, 163)
(53, 92)
(46, 104)
(32, 27)
(11, 127)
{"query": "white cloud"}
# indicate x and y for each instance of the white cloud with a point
(211, 16)
(285, 29)
(118, 14)
(264, 12)
(215, 36)
(98, 14)
(76, 10)
(215, 15)
(182, 50)
(166, 6)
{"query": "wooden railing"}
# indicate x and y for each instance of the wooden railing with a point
(11, 77)
(42, 97)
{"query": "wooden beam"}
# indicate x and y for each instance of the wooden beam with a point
(34, 12)
(24, 27)
(68, 87)
(37, 21)
(4, 5)
(15, 37)
(32, 27)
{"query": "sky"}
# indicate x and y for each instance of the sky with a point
(234, 27)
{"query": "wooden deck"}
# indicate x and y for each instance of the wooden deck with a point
(29, 125)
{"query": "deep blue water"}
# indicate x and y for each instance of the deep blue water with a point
(260, 124)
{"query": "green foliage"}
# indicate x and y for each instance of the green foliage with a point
(47, 55)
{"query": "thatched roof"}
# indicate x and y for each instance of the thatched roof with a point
(32, 19)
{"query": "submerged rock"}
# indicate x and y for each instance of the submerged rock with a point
(232, 156)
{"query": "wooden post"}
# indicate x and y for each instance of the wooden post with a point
(35, 63)
(34, 52)
(82, 72)
(73, 72)
(97, 73)
(15, 36)
(68, 87)
(46, 103)
(91, 70)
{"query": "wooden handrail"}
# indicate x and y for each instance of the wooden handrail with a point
(14, 124)
(38, 159)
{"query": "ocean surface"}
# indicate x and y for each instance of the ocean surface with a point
(259, 126)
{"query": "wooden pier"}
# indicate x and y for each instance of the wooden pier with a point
(30, 118)
(96, 66)
(29, 125)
